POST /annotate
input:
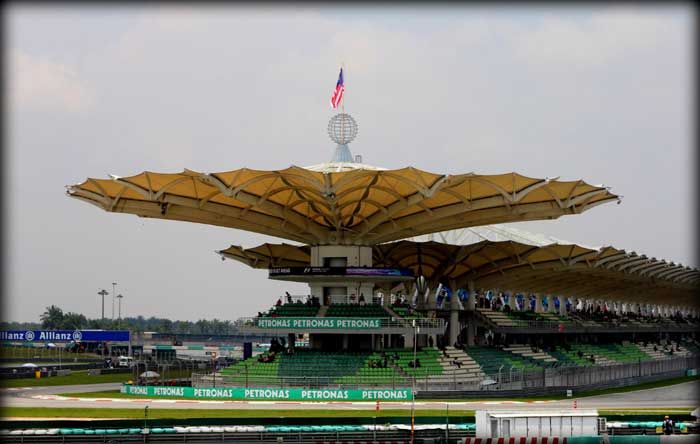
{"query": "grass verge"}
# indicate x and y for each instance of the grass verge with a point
(79, 377)
(137, 413)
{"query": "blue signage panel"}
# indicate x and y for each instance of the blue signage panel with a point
(339, 271)
(64, 335)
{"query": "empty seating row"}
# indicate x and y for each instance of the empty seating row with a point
(293, 310)
(356, 311)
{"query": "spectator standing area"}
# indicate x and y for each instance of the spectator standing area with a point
(411, 284)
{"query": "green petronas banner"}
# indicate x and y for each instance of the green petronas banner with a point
(270, 394)
(333, 323)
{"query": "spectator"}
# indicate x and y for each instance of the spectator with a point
(667, 426)
(456, 362)
(289, 297)
(279, 302)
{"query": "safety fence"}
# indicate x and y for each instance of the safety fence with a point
(576, 326)
(506, 379)
(573, 377)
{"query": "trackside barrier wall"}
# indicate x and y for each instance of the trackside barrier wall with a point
(519, 440)
(269, 394)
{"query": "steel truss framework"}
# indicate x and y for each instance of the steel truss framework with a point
(357, 207)
(563, 269)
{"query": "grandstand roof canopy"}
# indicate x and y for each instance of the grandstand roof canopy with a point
(511, 259)
(360, 206)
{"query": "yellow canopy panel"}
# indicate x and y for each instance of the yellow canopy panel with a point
(357, 207)
(562, 269)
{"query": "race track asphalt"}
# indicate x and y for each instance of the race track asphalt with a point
(685, 395)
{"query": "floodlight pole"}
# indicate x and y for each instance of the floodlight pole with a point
(103, 292)
(119, 296)
(114, 293)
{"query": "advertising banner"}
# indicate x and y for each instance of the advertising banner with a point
(339, 271)
(331, 323)
(64, 335)
(270, 394)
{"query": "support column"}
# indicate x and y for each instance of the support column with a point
(471, 305)
(454, 313)
(408, 340)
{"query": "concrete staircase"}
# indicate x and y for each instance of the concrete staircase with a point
(497, 317)
(526, 352)
(660, 353)
(469, 373)
(322, 311)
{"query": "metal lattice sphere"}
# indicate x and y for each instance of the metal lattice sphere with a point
(342, 128)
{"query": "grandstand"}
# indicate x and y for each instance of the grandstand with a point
(413, 282)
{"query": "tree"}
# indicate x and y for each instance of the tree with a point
(52, 318)
(73, 321)
(203, 326)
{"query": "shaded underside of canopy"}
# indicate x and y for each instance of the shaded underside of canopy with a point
(566, 269)
(356, 207)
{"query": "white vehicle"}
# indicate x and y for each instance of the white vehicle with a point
(126, 361)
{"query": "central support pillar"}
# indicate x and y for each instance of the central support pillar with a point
(471, 308)
(538, 303)
(454, 314)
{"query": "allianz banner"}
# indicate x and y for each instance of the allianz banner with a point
(64, 335)
(269, 394)
(331, 323)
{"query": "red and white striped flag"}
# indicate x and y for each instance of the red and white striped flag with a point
(339, 90)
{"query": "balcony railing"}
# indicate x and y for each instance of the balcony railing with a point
(317, 323)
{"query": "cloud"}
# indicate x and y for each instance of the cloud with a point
(41, 84)
(604, 37)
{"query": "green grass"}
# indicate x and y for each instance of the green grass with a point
(24, 353)
(80, 377)
(137, 413)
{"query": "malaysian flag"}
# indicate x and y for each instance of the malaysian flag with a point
(339, 89)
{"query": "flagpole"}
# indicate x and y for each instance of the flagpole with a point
(342, 105)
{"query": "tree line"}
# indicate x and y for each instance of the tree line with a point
(54, 318)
